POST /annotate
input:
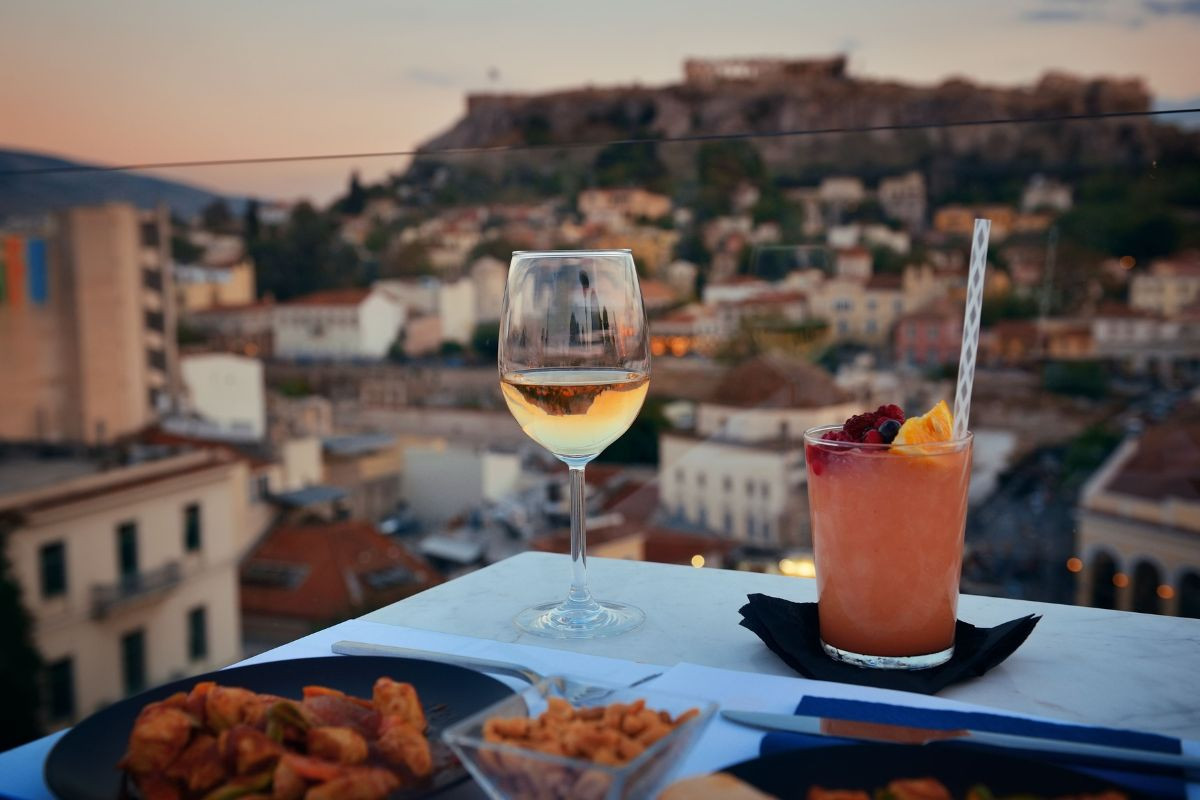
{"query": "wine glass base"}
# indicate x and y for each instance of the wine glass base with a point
(564, 621)
(888, 662)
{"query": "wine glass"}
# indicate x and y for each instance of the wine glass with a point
(574, 369)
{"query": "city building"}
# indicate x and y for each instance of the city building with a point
(1171, 285)
(852, 263)
(87, 322)
(224, 392)
(930, 336)
(489, 276)
(617, 207)
(1042, 193)
(1138, 545)
(307, 575)
(657, 295)
(444, 479)
(368, 468)
(1142, 342)
(298, 417)
(338, 324)
(681, 276)
(695, 329)
(456, 310)
(245, 329)
(956, 220)
(739, 471)
(422, 334)
(222, 276)
(903, 198)
(129, 573)
(859, 310)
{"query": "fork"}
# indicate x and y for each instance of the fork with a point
(577, 694)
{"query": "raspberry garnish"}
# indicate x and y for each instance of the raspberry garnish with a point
(872, 437)
(890, 411)
(857, 426)
(836, 436)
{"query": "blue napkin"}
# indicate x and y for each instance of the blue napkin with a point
(861, 711)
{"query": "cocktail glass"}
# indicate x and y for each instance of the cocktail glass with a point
(887, 527)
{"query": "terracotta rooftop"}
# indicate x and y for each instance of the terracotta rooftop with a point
(331, 297)
(775, 381)
(1166, 462)
(657, 292)
(322, 571)
(885, 282)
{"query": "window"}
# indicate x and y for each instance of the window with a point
(766, 489)
(127, 550)
(53, 559)
(133, 661)
(749, 488)
(728, 526)
(60, 685)
(700, 479)
(263, 485)
(843, 326)
(191, 528)
(870, 326)
(679, 475)
(727, 483)
(198, 634)
(871, 304)
(750, 531)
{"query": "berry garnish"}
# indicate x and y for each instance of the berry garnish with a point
(888, 429)
(836, 436)
(873, 437)
(890, 411)
(857, 426)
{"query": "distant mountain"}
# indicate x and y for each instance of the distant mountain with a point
(36, 194)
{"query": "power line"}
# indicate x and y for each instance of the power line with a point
(700, 137)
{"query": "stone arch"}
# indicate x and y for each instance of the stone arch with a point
(1102, 568)
(1146, 580)
(1189, 594)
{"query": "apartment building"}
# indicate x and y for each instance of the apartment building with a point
(1170, 287)
(338, 324)
(87, 322)
(740, 471)
(129, 573)
(1138, 546)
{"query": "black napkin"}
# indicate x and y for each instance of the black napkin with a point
(792, 632)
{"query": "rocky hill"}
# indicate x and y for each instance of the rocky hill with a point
(765, 95)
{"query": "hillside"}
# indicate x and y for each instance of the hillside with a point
(36, 194)
(765, 95)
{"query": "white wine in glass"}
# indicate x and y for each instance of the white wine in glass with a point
(574, 369)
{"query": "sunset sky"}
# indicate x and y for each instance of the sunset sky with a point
(127, 81)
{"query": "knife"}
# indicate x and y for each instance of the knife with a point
(1100, 755)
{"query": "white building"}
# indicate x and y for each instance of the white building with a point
(841, 190)
(903, 198)
(1042, 192)
(442, 480)
(418, 295)
(489, 275)
(129, 574)
(1171, 286)
(1144, 342)
(339, 324)
(740, 470)
(226, 391)
(456, 308)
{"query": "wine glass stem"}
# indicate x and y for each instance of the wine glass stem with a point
(579, 593)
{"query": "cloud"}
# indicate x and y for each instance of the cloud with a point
(1164, 8)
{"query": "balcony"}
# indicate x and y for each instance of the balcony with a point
(134, 590)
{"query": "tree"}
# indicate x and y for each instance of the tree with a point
(485, 340)
(20, 662)
(305, 256)
(632, 164)
(721, 168)
(217, 217)
(250, 222)
(355, 200)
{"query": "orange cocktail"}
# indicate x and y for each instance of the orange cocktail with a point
(887, 524)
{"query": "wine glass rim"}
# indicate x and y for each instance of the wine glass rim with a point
(573, 253)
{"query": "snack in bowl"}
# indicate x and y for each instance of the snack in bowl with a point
(565, 739)
(223, 742)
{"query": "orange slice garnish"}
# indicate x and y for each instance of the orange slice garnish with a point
(937, 425)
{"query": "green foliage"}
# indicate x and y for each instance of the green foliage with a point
(639, 444)
(20, 662)
(690, 247)
(1076, 378)
(305, 256)
(355, 199)
(1006, 306)
(294, 387)
(1086, 452)
(185, 336)
(632, 164)
(250, 222)
(536, 129)
(408, 260)
(451, 348)
(499, 248)
(485, 340)
(183, 251)
(721, 167)
(886, 261)
(1124, 229)
(217, 217)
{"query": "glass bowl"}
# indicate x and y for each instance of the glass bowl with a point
(509, 772)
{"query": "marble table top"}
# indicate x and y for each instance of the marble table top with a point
(1085, 665)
